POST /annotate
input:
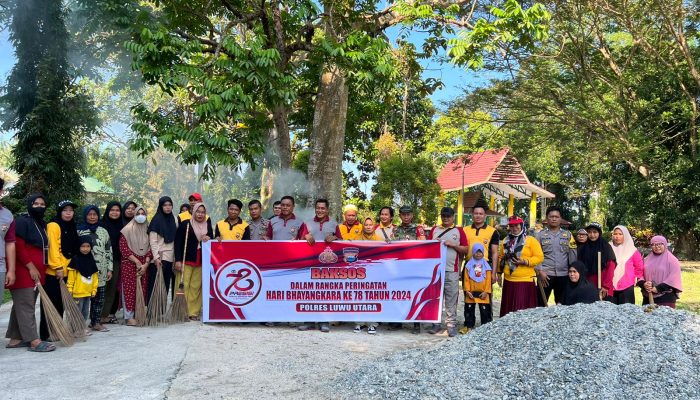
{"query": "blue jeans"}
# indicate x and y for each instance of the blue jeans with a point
(84, 306)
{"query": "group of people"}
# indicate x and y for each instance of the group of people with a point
(101, 258)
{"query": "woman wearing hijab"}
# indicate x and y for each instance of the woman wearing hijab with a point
(662, 274)
(102, 253)
(128, 211)
(161, 234)
(520, 254)
(581, 238)
(588, 254)
(198, 230)
(63, 246)
(112, 223)
(629, 268)
(579, 289)
(368, 231)
(184, 207)
(32, 243)
(136, 255)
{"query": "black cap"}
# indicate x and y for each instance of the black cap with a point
(405, 210)
(447, 212)
(65, 203)
(595, 225)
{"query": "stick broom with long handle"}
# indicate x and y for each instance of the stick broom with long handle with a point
(178, 310)
(600, 285)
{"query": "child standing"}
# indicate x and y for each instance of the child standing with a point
(82, 276)
(477, 287)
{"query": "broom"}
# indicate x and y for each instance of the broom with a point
(57, 327)
(178, 309)
(140, 311)
(600, 286)
(74, 318)
(158, 303)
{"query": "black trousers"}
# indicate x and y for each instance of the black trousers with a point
(168, 278)
(556, 285)
(470, 314)
(52, 289)
(624, 296)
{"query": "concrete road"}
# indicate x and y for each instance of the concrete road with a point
(194, 360)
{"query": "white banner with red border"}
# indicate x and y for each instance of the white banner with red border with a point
(291, 281)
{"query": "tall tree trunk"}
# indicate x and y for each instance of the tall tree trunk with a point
(328, 137)
(278, 156)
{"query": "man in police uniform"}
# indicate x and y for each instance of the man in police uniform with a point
(559, 248)
(480, 232)
(257, 223)
(408, 231)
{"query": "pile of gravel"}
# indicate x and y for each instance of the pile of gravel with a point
(595, 351)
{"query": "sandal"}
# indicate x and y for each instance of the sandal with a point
(18, 345)
(99, 328)
(194, 318)
(132, 322)
(43, 347)
(110, 320)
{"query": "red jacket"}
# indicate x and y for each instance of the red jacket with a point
(27, 253)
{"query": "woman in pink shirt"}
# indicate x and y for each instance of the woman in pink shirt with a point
(630, 266)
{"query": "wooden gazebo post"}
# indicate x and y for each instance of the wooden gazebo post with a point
(533, 209)
(511, 205)
(460, 208)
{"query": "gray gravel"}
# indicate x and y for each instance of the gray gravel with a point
(596, 351)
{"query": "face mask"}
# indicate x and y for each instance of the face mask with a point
(140, 219)
(37, 212)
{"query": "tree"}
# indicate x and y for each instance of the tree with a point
(404, 179)
(235, 66)
(51, 115)
(612, 96)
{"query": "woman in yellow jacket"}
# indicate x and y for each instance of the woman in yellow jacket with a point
(82, 276)
(62, 234)
(519, 256)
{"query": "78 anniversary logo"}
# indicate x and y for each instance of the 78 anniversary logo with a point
(237, 283)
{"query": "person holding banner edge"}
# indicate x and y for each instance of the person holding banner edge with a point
(457, 245)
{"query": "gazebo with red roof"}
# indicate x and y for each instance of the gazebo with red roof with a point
(497, 173)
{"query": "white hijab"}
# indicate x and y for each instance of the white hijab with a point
(623, 253)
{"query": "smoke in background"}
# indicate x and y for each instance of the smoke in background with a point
(292, 182)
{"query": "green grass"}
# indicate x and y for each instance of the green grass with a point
(6, 296)
(689, 298)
